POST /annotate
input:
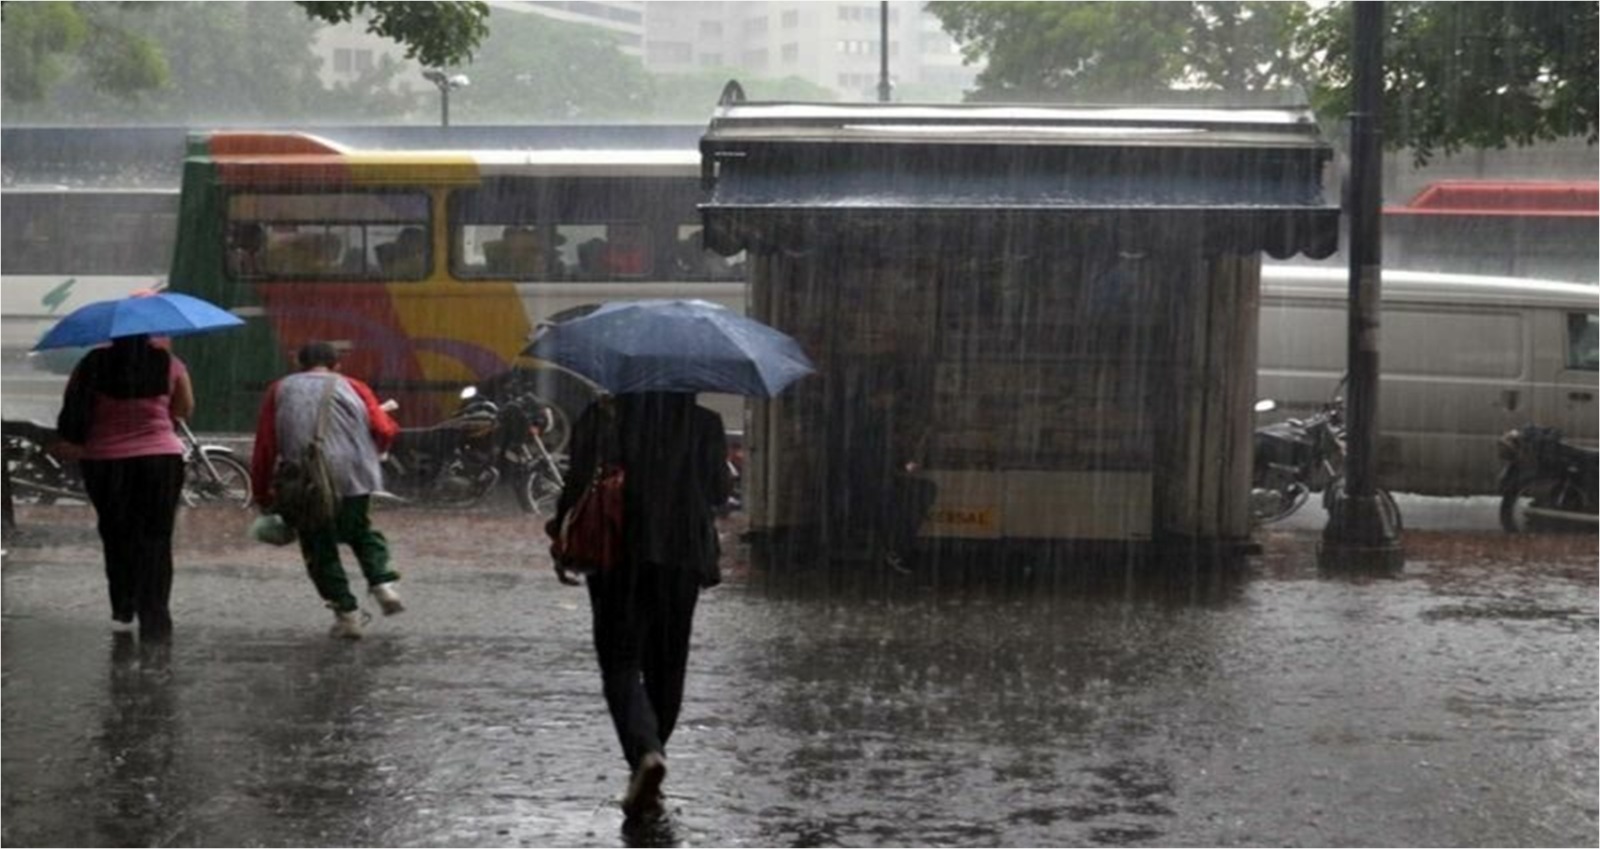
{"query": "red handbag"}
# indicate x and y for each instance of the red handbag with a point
(589, 540)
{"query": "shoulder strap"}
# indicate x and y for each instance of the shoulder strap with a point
(322, 409)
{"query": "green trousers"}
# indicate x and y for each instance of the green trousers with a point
(321, 551)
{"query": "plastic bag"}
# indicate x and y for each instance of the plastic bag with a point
(270, 528)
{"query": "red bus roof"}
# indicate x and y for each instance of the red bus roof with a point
(1521, 198)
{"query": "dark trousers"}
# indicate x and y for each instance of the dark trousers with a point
(352, 526)
(136, 503)
(642, 620)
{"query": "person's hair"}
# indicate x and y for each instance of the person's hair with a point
(313, 354)
(130, 368)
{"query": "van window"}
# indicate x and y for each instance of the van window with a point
(1583, 341)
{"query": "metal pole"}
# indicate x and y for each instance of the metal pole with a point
(883, 52)
(444, 104)
(1362, 532)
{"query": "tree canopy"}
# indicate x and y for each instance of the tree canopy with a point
(255, 63)
(1456, 75)
(1093, 50)
(1470, 75)
(120, 50)
(214, 62)
(435, 34)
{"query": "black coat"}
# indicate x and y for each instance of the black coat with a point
(674, 454)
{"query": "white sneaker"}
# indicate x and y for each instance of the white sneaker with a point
(388, 598)
(348, 624)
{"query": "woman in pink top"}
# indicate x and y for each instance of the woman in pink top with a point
(117, 419)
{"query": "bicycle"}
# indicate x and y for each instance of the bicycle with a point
(211, 473)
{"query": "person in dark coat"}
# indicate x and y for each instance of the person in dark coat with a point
(674, 456)
(880, 497)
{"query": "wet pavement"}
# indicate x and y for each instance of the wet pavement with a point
(1455, 705)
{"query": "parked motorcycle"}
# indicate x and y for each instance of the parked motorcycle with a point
(1547, 484)
(461, 460)
(1294, 458)
(212, 473)
(37, 476)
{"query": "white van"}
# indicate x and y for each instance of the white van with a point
(1462, 359)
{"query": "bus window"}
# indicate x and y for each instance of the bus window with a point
(691, 260)
(496, 234)
(328, 235)
(500, 251)
(604, 251)
(1583, 341)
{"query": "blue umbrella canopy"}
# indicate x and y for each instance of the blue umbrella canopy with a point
(674, 346)
(162, 314)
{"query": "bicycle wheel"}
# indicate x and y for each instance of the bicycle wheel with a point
(212, 477)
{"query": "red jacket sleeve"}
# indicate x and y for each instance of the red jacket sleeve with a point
(384, 428)
(265, 454)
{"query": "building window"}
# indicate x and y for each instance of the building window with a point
(341, 60)
(363, 60)
(755, 59)
(710, 29)
(791, 19)
(674, 52)
(791, 52)
(755, 26)
(711, 60)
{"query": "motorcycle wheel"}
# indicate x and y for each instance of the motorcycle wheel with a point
(230, 485)
(538, 493)
(1547, 493)
(1272, 501)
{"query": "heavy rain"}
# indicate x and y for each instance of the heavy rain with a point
(1141, 424)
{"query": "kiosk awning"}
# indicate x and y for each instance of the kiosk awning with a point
(1244, 180)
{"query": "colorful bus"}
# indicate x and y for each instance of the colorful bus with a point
(430, 269)
(63, 247)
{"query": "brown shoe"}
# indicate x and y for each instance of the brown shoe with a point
(644, 788)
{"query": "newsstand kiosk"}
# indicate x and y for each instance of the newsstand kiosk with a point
(1056, 305)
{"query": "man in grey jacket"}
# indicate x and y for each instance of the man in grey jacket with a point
(356, 431)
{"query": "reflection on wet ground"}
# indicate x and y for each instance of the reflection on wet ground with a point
(1455, 705)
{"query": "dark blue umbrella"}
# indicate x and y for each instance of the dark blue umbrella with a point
(674, 346)
(162, 314)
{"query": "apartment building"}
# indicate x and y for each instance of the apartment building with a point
(836, 45)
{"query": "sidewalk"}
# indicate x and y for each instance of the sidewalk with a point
(1453, 706)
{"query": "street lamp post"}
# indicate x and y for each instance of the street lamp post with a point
(446, 83)
(1362, 534)
(883, 52)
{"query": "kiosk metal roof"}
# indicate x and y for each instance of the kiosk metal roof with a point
(1251, 179)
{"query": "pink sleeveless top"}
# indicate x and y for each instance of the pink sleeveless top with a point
(134, 427)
